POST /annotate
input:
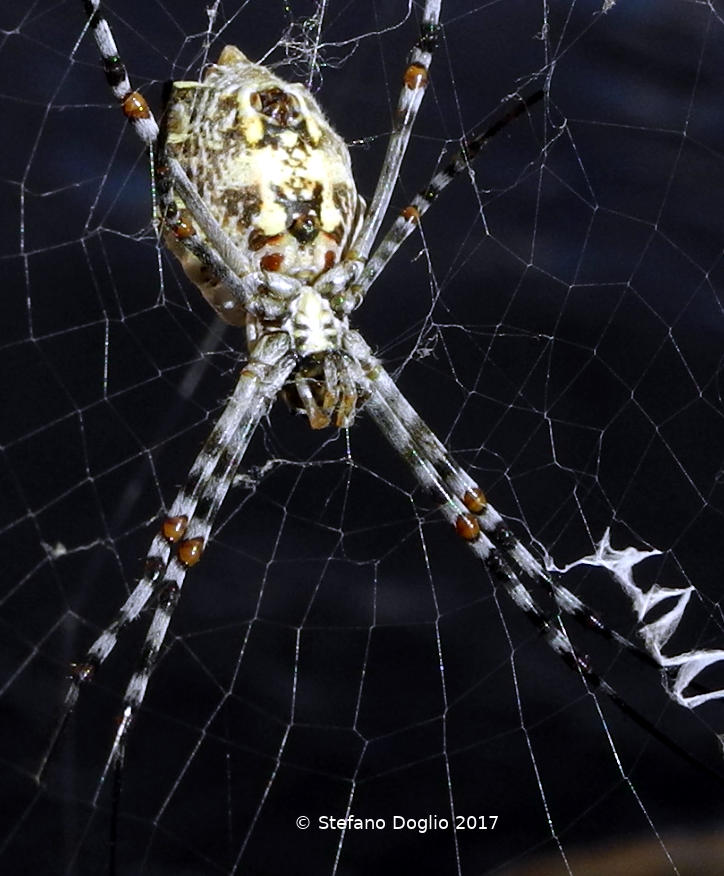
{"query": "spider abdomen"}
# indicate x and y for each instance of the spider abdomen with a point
(267, 164)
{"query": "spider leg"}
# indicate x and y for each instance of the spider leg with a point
(410, 216)
(170, 590)
(133, 104)
(479, 525)
(180, 223)
(414, 82)
(182, 238)
(225, 260)
(459, 483)
(184, 531)
(465, 511)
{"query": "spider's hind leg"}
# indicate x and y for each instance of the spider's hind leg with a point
(184, 531)
(260, 381)
(479, 525)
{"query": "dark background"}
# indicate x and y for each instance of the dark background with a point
(561, 329)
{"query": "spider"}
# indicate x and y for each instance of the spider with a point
(257, 200)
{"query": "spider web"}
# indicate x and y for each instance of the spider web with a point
(558, 323)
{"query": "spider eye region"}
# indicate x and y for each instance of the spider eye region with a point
(267, 165)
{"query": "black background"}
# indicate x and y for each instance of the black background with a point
(567, 349)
